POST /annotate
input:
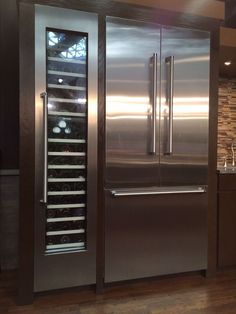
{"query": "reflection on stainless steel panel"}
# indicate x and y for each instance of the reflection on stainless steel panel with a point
(154, 235)
(129, 97)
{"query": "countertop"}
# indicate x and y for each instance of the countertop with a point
(228, 170)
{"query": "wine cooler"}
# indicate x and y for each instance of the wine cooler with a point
(66, 152)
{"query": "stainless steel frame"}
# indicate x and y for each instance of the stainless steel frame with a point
(72, 268)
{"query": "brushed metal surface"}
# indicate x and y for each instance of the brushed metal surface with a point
(44, 97)
(154, 105)
(188, 164)
(69, 269)
(150, 234)
(129, 96)
(169, 101)
(154, 235)
(159, 191)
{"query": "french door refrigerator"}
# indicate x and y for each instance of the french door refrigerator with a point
(65, 144)
(157, 103)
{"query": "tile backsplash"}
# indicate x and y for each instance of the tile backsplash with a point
(226, 121)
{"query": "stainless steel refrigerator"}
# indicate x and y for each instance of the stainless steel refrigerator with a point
(157, 103)
(66, 52)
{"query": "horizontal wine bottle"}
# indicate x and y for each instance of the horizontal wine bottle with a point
(63, 239)
(65, 225)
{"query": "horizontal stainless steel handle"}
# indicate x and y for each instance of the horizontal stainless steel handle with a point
(133, 192)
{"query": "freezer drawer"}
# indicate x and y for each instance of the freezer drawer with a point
(151, 235)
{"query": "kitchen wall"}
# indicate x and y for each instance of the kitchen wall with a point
(226, 120)
(227, 97)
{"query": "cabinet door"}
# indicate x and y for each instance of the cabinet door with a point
(227, 229)
(66, 104)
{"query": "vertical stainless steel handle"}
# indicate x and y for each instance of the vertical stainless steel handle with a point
(170, 95)
(44, 96)
(154, 105)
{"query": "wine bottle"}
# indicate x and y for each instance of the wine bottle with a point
(51, 213)
(63, 239)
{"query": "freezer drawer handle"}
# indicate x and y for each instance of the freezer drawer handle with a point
(170, 95)
(44, 96)
(117, 193)
(154, 105)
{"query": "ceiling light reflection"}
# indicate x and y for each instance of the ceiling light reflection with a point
(123, 107)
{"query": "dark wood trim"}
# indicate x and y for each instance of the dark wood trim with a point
(9, 77)
(230, 13)
(133, 11)
(212, 175)
(101, 155)
(27, 155)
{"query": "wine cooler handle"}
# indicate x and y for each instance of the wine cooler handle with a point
(154, 105)
(170, 95)
(44, 96)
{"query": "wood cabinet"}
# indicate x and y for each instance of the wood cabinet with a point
(227, 220)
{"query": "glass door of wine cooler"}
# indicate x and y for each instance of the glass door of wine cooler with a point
(66, 104)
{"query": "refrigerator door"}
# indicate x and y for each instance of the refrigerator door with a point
(184, 107)
(132, 103)
(65, 136)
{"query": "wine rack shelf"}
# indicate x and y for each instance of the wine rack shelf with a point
(66, 180)
(67, 74)
(66, 206)
(66, 60)
(66, 167)
(66, 219)
(64, 100)
(66, 114)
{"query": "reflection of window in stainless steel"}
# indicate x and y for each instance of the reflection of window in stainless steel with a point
(54, 38)
(76, 50)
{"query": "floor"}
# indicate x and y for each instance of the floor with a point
(181, 295)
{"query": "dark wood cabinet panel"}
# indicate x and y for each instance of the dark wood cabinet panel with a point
(227, 220)
(227, 182)
(227, 229)
(9, 96)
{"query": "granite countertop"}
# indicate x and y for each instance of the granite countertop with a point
(223, 170)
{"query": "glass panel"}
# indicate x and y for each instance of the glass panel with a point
(67, 141)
